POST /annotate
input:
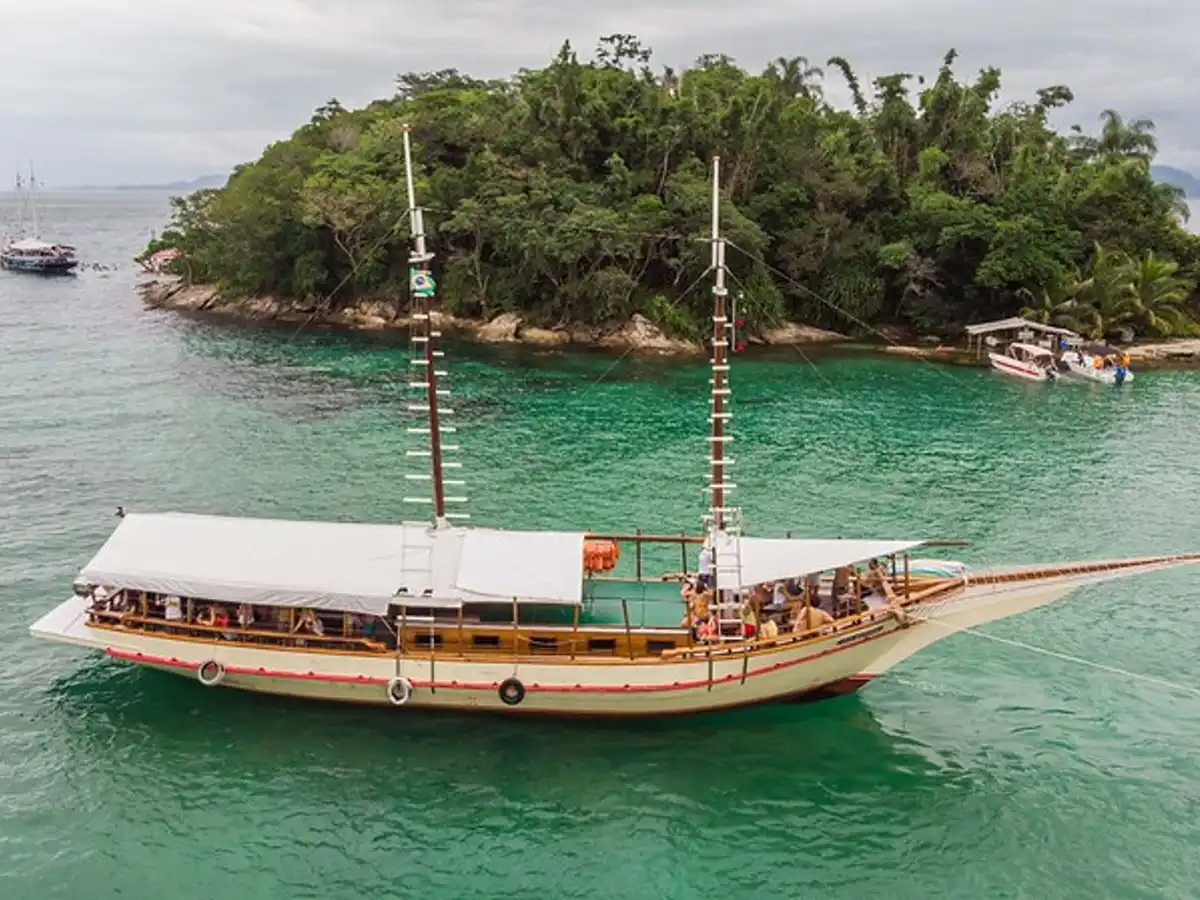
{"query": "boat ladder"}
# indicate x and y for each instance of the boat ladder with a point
(430, 384)
(728, 604)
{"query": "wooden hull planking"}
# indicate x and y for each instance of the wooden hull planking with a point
(693, 682)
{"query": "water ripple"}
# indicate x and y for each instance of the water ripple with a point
(974, 770)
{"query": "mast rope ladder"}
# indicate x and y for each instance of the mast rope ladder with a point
(427, 367)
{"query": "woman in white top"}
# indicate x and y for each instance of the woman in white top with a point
(172, 608)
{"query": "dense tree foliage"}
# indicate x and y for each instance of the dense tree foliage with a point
(578, 192)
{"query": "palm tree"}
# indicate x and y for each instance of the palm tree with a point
(1057, 305)
(840, 63)
(796, 77)
(1121, 139)
(1118, 139)
(1176, 198)
(1157, 297)
(1104, 304)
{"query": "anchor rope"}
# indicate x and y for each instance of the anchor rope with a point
(1067, 657)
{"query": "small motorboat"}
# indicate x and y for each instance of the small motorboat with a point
(1026, 361)
(1101, 363)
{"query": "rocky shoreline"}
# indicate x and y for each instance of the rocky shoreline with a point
(637, 335)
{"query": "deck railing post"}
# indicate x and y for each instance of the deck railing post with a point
(516, 628)
(638, 554)
(628, 628)
(907, 579)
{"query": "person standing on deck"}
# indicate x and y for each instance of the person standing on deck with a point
(706, 562)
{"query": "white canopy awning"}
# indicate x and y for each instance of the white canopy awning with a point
(332, 565)
(533, 566)
(1016, 323)
(777, 559)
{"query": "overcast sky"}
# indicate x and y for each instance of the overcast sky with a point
(138, 91)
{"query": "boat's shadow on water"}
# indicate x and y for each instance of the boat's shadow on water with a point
(111, 711)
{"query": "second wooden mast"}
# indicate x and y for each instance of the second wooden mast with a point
(719, 461)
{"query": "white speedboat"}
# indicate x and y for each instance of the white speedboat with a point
(1026, 361)
(1105, 365)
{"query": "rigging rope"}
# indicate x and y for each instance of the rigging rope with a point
(939, 369)
(324, 302)
(691, 287)
(1067, 657)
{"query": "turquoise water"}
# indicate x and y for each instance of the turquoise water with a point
(977, 769)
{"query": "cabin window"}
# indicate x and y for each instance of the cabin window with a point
(486, 640)
(657, 648)
(543, 644)
(602, 645)
(427, 640)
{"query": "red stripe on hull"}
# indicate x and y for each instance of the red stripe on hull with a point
(175, 662)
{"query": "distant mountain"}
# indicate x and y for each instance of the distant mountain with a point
(1178, 177)
(206, 181)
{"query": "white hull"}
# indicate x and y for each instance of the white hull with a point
(581, 687)
(1076, 369)
(1017, 368)
(740, 676)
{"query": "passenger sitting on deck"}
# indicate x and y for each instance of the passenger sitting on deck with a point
(99, 595)
(811, 618)
(214, 616)
(881, 586)
(172, 608)
(876, 581)
(841, 584)
(245, 615)
(309, 622)
(750, 619)
(778, 597)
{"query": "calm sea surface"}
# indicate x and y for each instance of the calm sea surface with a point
(977, 769)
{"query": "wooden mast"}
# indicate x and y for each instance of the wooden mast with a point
(720, 362)
(426, 355)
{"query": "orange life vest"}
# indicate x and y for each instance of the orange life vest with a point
(600, 556)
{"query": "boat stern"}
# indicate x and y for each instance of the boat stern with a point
(67, 624)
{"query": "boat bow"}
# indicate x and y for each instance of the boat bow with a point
(950, 605)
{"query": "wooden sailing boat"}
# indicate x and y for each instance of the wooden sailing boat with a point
(26, 251)
(442, 615)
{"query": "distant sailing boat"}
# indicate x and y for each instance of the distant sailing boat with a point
(27, 252)
(438, 614)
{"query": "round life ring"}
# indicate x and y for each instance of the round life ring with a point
(210, 673)
(512, 692)
(399, 690)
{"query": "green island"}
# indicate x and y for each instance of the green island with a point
(567, 201)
